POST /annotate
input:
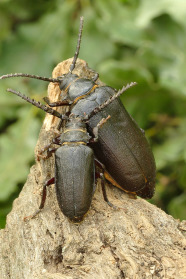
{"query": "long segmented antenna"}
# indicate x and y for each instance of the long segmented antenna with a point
(110, 100)
(30, 76)
(72, 66)
(38, 104)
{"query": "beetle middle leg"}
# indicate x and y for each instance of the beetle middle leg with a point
(51, 181)
(99, 164)
(101, 175)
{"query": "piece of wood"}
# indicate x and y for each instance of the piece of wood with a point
(137, 241)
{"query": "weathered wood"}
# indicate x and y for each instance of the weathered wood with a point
(137, 241)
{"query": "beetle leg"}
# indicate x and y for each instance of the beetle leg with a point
(40, 152)
(58, 103)
(100, 165)
(50, 151)
(55, 140)
(105, 193)
(43, 198)
(95, 77)
(101, 175)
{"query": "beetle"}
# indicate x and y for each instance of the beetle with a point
(74, 160)
(122, 146)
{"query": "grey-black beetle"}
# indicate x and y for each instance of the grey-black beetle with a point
(122, 146)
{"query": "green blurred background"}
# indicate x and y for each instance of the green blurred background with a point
(124, 41)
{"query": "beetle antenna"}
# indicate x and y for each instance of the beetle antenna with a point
(38, 104)
(110, 100)
(30, 76)
(72, 66)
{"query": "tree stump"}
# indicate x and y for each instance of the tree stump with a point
(137, 241)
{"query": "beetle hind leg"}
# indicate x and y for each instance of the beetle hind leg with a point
(105, 193)
(43, 199)
(101, 175)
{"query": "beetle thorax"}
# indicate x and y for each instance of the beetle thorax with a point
(75, 132)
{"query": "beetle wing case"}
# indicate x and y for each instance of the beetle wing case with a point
(74, 180)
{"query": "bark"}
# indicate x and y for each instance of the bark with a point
(137, 241)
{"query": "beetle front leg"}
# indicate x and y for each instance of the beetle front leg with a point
(58, 103)
(95, 77)
(49, 150)
(43, 198)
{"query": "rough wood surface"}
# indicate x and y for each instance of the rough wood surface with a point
(138, 241)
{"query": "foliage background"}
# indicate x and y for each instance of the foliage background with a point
(123, 40)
